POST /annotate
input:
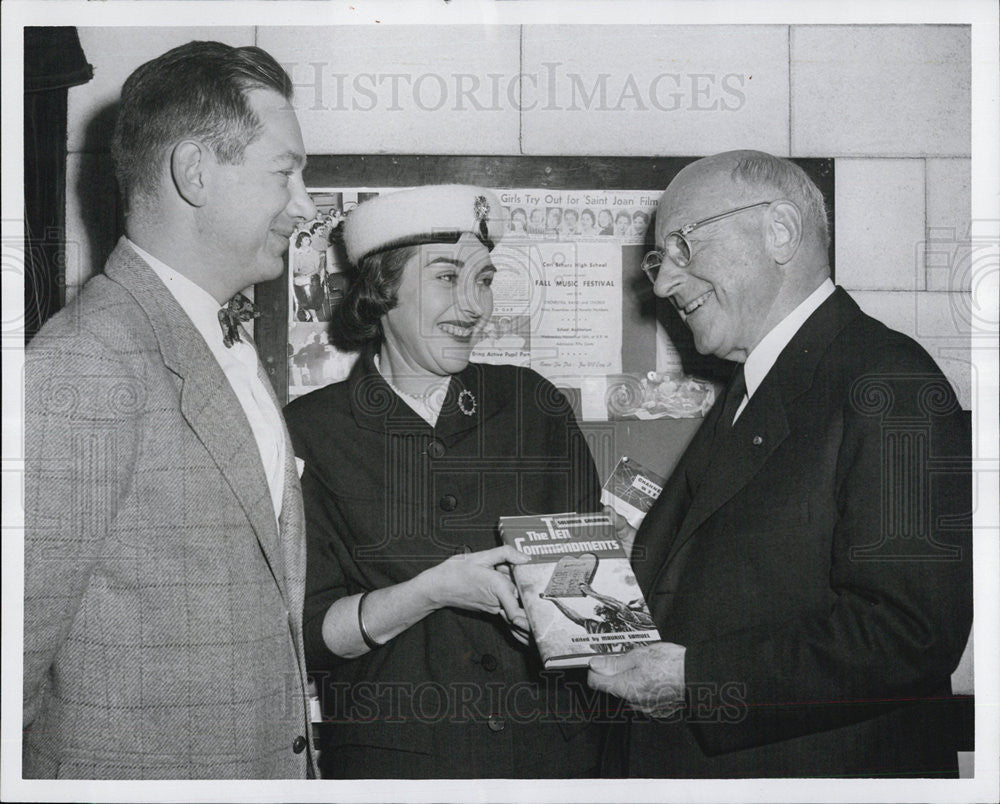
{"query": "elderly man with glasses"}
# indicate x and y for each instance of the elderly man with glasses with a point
(808, 564)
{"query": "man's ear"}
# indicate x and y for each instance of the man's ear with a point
(189, 162)
(784, 231)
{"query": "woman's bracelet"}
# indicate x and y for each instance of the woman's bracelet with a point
(371, 643)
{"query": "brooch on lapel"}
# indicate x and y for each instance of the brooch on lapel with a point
(467, 402)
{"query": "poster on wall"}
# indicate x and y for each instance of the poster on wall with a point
(558, 300)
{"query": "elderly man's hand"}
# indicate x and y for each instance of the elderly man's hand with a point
(624, 531)
(650, 677)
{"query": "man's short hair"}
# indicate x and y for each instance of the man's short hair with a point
(197, 90)
(761, 170)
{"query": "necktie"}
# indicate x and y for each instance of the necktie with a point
(734, 396)
(238, 310)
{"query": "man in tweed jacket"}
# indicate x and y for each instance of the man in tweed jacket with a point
(164, 543)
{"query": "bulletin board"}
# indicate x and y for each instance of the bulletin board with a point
(578, 307)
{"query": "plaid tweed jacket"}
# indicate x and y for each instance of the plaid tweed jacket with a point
(163, 605)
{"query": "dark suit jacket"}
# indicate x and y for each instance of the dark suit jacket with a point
(388, 496)
(815, 560)
(163, 603)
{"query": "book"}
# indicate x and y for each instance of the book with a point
(631, 489)
(579, 591)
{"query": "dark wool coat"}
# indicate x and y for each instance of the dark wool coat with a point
(387, 496)
(815, 560)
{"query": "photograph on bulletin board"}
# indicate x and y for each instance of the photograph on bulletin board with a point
(563, 301)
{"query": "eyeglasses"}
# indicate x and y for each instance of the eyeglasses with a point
(676, 244)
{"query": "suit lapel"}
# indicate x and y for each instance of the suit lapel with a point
(469, 402)
(660, 526)
(208, 402)
(291, 523)
(739, 453)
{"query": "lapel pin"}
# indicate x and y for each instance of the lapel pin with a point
(757, 440)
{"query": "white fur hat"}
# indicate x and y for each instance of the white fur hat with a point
(433, 214)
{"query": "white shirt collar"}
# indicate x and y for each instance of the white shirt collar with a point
(764, 355)
(427, 407)
(200, 305)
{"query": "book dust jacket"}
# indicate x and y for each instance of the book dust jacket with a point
(579, 591)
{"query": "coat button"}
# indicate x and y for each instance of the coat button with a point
(496, 723)
(757, 440)
(448, 503)
(435, 449)
(488, 662)
(299, 744)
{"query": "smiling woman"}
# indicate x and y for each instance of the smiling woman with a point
(444, 300)
(409, 463)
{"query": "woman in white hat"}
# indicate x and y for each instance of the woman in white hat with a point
(412, 625)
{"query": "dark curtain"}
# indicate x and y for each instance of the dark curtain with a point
(53, 62)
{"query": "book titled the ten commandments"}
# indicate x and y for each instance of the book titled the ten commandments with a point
(579, 592)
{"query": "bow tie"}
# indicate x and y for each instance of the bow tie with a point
(238, 310)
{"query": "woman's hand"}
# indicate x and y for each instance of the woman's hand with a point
(520, 629)
(474, 581)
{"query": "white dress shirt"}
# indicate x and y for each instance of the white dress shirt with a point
(765, 353)
(241, 366)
